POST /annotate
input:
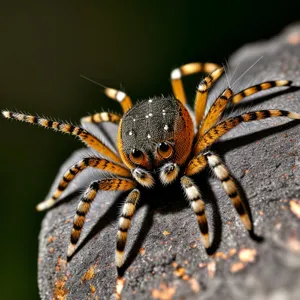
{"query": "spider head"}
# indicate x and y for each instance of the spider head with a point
(156, 136)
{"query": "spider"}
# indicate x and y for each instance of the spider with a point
(157, 143)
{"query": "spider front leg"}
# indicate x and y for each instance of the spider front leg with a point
(114, 184)
(188, 69)
(89, 139)
(93, 162)
(198, 206)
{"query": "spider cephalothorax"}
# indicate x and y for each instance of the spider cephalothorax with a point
(157, 137)
(156, 134)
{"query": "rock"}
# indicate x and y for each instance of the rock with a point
(165, 257)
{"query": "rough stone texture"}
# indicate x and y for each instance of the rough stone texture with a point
(164, 231)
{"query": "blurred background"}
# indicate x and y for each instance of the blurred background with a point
(46, 45)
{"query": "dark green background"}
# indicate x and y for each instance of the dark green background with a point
(43, 50)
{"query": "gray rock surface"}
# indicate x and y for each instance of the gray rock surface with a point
(165, 257)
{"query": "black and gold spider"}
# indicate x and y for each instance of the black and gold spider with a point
(158, 143)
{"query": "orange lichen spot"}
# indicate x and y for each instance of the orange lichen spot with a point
(261, 213)
(247, 255)
(211, 268)
(51, 250)
(236, 267)
(202, 265)
(179, 272)
(194, 285)
(92, 288)
(164, 292)
(89, 274)
(221, 255)
(278, 225)
(60, 291)
(165, 232)
(142, 251)
(246, 171)
(61, 264)
(231, 252)
(68, 221)
(295, 207)
(51, 239)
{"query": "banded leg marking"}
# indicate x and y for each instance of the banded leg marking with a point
(230, 187)
(188, 69)
(94, 162)
(202, 92)
(198, 206)
(220, 129)
(215, 112)
(196, 165)
(120, 97)
(85, 136)
(88, 197)
(124, 225)
(102, 117)
(257, 88)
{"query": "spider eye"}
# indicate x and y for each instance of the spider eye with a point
(164, 150)
(137, 156)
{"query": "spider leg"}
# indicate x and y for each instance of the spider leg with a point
(124, 225)
(230, 187)
(94, 162)
(188, 69)
(257, 88)
(223, 127)
(120, 97)
(198, 206)
(218, 107)
(84, 135)
(115, 184)
(202, 92)
(102, 117)
(215, 112)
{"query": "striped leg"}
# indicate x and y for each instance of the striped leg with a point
(188, 69)
(230, 187)
(257, 88)
(102, 117)
(202, 92)
(219, 130)
(193, 194)
(124, 225)
(120, 97)
(94, 162)
(115, 184)
(85, 136)
(215, 112)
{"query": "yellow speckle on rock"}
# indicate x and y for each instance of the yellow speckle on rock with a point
(247, 255)
(236, 267)
(295, 207)
(165, 232)
(164, 292)
(89, 274)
